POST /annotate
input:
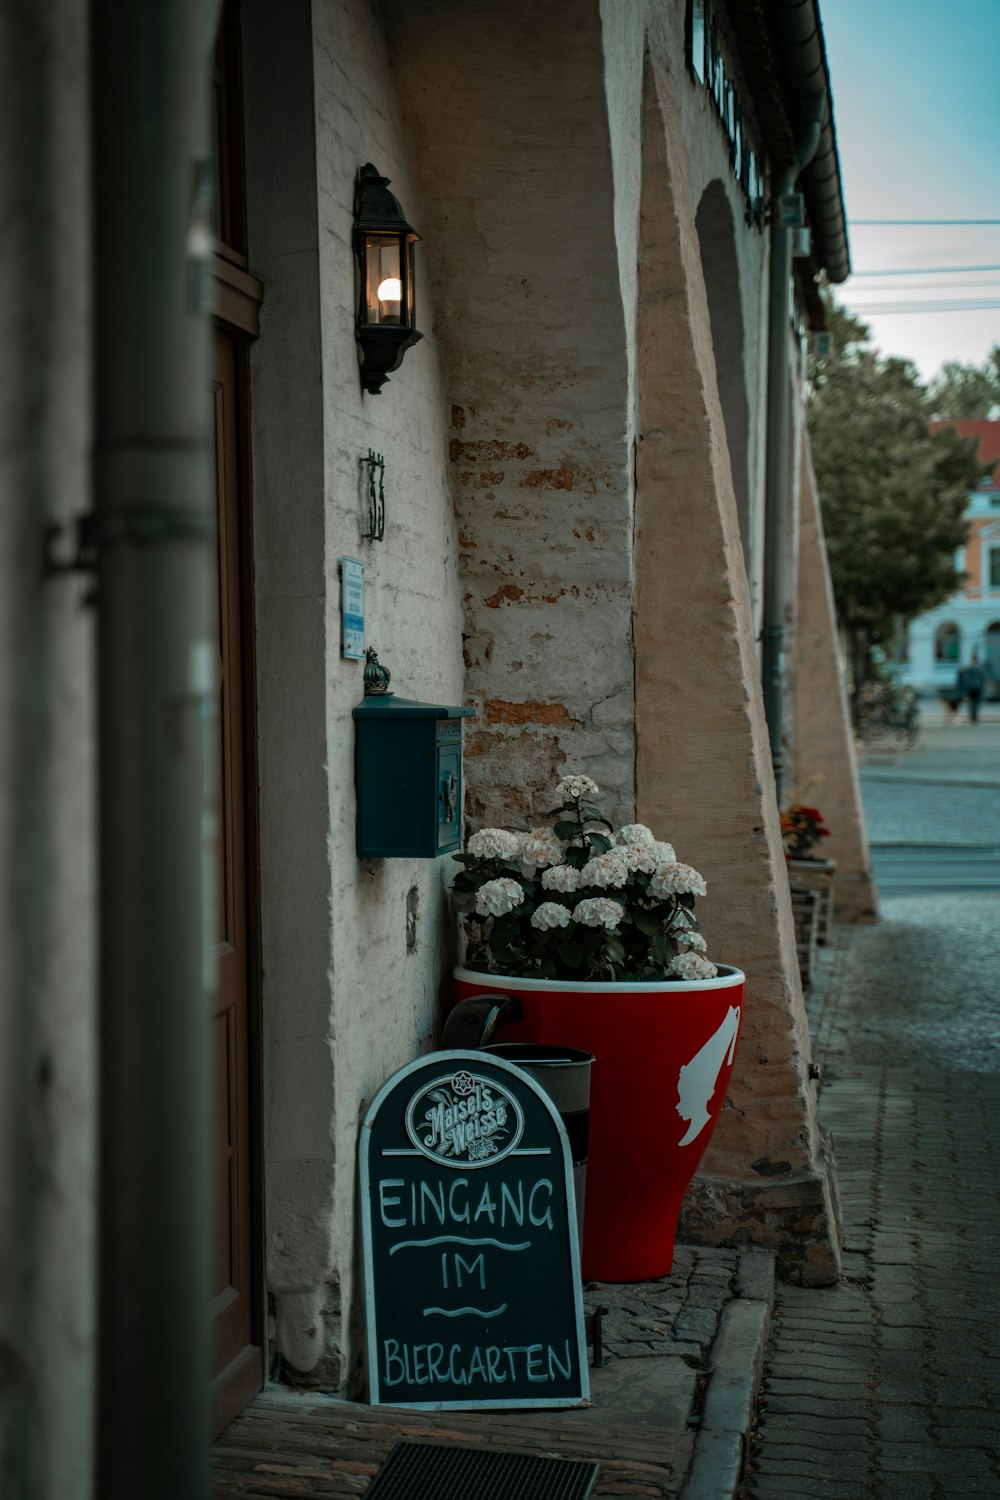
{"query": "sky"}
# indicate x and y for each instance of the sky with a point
(915, 111)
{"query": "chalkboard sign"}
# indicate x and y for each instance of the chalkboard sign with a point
(471, 1256)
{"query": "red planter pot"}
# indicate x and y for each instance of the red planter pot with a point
(664, 1056)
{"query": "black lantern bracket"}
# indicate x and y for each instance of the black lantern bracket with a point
(384, 254)
(375, 464)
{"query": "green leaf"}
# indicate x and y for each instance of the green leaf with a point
(647, 922)
(567, 830)
(591, 813)
(662, 950)
(599, 842)
(571, 954)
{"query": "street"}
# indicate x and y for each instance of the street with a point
(888, 1385)
(933, 812)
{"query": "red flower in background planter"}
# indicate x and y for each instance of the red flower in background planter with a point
(801, 830)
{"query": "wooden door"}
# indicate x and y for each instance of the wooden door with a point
(238, 1368)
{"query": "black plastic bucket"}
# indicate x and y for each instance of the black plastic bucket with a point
(564, 1074)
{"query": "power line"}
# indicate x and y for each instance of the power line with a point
(871, 309)
(855, 223)
(926, 286)
(925, 271)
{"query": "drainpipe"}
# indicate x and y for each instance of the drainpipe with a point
(152, 529)
(776, 483)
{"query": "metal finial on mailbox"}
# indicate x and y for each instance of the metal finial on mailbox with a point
(377, 677)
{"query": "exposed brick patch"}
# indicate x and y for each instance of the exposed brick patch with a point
(471, 480)
(547, 479)
(458, 416)
(464, 539)
(499, 711)
(492, 451)
(508, 592)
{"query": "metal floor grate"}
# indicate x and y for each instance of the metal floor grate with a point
(432, 1471)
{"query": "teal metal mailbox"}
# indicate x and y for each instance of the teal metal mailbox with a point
(408, 777)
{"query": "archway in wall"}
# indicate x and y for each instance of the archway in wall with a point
(720, 268)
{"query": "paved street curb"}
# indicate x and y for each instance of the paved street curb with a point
(735, 1367)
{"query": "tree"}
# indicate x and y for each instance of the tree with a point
(893, 494)
(959, 390)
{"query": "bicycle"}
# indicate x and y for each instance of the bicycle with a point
(895, 717)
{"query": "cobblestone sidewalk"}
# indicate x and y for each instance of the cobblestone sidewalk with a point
(887, 1387)
(672, 1402)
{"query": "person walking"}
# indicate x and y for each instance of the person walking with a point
(971, 682)
(951, 698)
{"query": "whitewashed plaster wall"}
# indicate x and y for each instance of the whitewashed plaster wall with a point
(352, 951)
(509, 115)
(47, 878)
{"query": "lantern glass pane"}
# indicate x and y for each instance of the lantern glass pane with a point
(383, 291)
(411, 287)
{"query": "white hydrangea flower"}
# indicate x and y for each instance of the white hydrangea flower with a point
(677, 880)
(692, 939)
(665, 854)
(561, 878)
(598, 911)
(605, 869)
(576, 786)
(497, 897)
(550, 914)
(541, 848)
(639, 856)
(495, 843)
(634, 833)
(693, 966)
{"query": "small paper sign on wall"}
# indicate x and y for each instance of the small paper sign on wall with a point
(352, 608)
(471, 1256)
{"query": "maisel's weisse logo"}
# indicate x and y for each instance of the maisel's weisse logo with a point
(462, 1120)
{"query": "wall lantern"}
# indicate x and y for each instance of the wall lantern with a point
(383, 245)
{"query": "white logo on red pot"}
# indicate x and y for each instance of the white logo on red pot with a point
(698, 1079)
(464, 1120)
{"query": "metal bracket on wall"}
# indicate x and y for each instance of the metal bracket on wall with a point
(74, 546)
(375, 464)
(69, 546)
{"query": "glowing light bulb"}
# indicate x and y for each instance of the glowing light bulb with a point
(390, 290)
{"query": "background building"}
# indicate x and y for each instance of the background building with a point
(942, 640)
